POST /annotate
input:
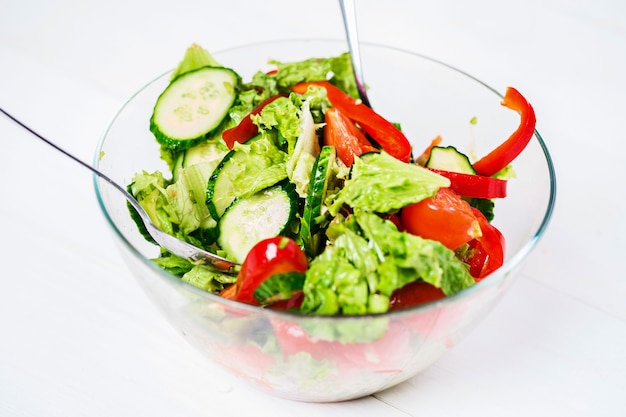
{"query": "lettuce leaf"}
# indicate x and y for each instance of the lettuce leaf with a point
(281, 115)
(368, 259)
(195, 57)
(382, 184)
(337, 70)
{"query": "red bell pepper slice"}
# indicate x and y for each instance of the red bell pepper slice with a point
(246, 128)
(475, 186)
(504, 154)
(270, 256)
(382, 131)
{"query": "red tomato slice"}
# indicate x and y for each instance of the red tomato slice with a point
(345, 136)
(393, 218)
(268, 257)
(445, 217)
(385, 133)
(414, 293)
(488, 249)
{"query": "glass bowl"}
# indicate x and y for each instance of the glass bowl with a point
(296, 356)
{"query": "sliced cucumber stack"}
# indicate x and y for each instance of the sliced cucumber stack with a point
(249, 220)
(208, 152)
(193, 105)
(245, 170)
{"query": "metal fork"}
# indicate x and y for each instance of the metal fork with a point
(174, 245)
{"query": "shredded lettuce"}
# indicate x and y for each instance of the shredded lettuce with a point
(207, 279)
(149, 190)
(177, 208)
(365, 258)
(187, 196)
(382, 184)
(337, 70)
(281, 115)
(263, 166)
(368, 259)
(197, 275)
(305, 152)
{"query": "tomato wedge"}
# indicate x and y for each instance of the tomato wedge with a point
(414, 293)
(345, 136)
(445, 217)
(382, 131)
(487, 250)
(268, 257)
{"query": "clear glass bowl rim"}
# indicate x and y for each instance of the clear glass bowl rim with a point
(490, 280)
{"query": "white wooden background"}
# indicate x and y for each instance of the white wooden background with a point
(78, 337)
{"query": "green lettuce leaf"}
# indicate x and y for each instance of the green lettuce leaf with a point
(337, 70)
(368, 259)
(281, 115)
(149, 189)
(195, 57)
(382, 184)
(187, 197)
(305, 152)
(207, 279)
(263, 165)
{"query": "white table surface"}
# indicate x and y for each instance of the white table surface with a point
(79, 338)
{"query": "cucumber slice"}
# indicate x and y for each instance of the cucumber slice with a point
(193, 105)
(208, 152)
(249, 220)
(320, 177)
(449, 159)
(247, 169)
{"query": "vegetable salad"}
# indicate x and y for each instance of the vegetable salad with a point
(322, 201)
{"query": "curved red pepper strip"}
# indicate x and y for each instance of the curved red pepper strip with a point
(475, 186)
(504, 154)
(385, 133)
(246, 128)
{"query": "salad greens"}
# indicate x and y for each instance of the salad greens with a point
(368, 260)
(381, 184)
(357, 257)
